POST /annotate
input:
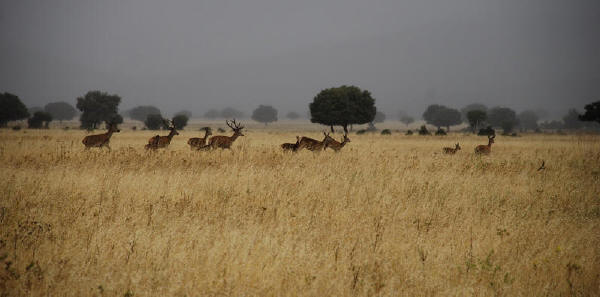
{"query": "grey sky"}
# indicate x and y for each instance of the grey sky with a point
(198, 55)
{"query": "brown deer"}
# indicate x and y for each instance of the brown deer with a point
(153, 143)
(313, 144)
(451, 151)
(163, 141)
(335, 145)
(485, 149)
(198, 142)
(100, 140)
(293, 147)
(225, 142)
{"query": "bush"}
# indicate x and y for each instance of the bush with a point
(40, 119)
(409, 132)
(441, 132)
(180, 121)
(386, 132)
(424, 131)
(154, 122)
(486, 131)
(360, 132)
(16, 128)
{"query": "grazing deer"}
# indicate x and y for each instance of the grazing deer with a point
(293, 147)
(100, 140)
(313, 144)
(198, 142)
(224, 142)
(451, 151)
(163, 141)
(485, 149)
(335, 145)
(153, 143)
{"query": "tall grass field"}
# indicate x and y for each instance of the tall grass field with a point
(389, 215)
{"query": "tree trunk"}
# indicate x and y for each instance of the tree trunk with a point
(346, 128)
(332, 131)
(351, 127)
(448, 128)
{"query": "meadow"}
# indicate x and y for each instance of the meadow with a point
(386, 216)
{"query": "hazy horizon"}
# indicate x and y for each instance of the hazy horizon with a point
(202, 55)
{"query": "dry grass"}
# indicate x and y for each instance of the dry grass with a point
(389, 215)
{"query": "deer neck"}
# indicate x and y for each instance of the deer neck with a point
(234, 137)
(171, 134)
(109, 134)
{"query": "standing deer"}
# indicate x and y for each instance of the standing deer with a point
(163, 141)
(293, 147)
(224, 142)
(100, 140)
(153, 143)
(335, 145)
(198, 142)
(451, 151)
(485, 149)
(313, 144)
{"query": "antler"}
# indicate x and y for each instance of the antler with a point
(236, 126)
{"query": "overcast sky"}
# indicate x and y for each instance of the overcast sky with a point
(198, 55)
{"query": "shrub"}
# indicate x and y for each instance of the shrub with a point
(386, 132)
(424, 131)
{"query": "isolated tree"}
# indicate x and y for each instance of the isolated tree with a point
(11, 109)
(342, 106)
(180, 121)
(407, 120)
(441, 116)
(212, 114)
(265, 114)
(571, 120)
(230, 112)
(154, 122)
(503, 117)
(40, 119)
(475, 118)
(98, 107)
(592, 113)
(528, 120)
(474, 106)
(61, 111)
(140, 113)
(292, 115)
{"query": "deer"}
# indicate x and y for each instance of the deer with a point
(293, 147)
(451, 151)
(225, 142)
(335, 145)
(100, 140)
(153, 143)
(198, 142)
(163, 141)
(485, 149)
(313, 144)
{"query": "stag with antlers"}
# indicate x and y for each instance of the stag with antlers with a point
(163, 141)
(225, 142)
(451, 151)
(485, 149)
(334, 144)
(291, 147)
(313, 144)
(199, 142)
(100, 140)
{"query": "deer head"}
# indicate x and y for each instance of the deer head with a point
(169, 124)
(112, 127)
(236, 127)
(345, 138)
(491, 139)
(457, 147)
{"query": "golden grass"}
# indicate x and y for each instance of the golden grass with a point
(388, 215)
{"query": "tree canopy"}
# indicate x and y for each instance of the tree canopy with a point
(442, 116)
(98, 107)
(11, 109)
(154, 122)
(528, 120)
(503, 117)
(61, 111)
(39, 119)
(342, 106)
(473, 106)
(475, 118)
(180, 121)
(265, 114)
(592, 112)
(230, 112)
(140, 113)
(187, 113)
(406, 119)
